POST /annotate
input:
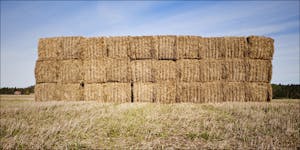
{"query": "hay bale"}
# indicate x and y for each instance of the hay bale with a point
(143, 92)
(212, 48)
(94, 48)
(187, 47)
(258, 92)
(213, 92)
(46, 92)
(260, 47)
(117, 92)
(164, 70)
(94, 92)
(166, 47)
(233, 70)
(71, 91)
(118, 70)
(165, 92)
(258, 70)
(118, 47)
(48, 48)
(95, 70)
(210, 70)
(142, 47)
(72, 47)
(142, 70)
(46, 71)
(188, 70)
(70, 71)
(234, 91)
(190, 92)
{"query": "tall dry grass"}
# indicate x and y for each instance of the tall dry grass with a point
(58, 125)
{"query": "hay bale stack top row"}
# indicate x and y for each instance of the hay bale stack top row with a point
(163, 69)
(155, 47)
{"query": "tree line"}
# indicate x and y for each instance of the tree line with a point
(279, 90)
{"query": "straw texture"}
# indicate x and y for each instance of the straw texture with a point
(143, 47)
(260, 47)
(94, 48)
(46, 71)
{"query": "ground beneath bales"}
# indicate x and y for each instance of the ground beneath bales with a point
(27, 124)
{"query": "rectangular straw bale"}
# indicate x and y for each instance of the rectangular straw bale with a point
(46, 92)
(118, 47)
(46, 71)
(142, 70)
(71, 91)
(166, 47)
(95, 70)
(118, 70)
(234, 91)
(187, 47)
(143, 92)
(70, 71)
(213, 92)
(190, 92)
(258, 92)
(235, 47)
(233, 70)
(117, 92)
(260, 47)
(165, 92)
(165, 70)
(94, 48)
(188, 70)
(48, 48)
(212, 48)
(210, 70)
(258, 70)
(143, 47)
(72, 47)
(94, 92)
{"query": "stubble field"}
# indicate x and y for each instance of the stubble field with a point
(26, 124)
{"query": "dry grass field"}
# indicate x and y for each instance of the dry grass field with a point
(26, 124)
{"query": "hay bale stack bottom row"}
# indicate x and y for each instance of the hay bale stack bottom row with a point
(161, 69)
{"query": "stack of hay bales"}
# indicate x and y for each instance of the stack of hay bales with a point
(163, 69)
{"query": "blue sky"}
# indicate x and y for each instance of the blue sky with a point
(23, 23)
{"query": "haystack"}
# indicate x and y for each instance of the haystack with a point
(95, 70)
(187, 47)
(164, 70)
(213, 92)
(165, 92)
(70, 71)
(71, 48)
(118, 47)
(143, 92)
(48, 48)
(212, 48)
(166, 47)
(46, 71)
(46, 92)
(258, 70)
(118, 70)
(234, 91)
(117, 92)
(70, 91)
(142, 70)
(188, 70)
(94, 92)
(258, 92)
(94, 48)
(233, 70)
(190, 92)
(143, 47)
(260, 47)
(210, 70)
